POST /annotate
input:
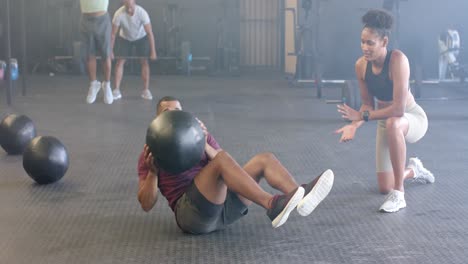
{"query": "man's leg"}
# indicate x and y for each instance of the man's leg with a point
(315, 192)
(145, 76)
(143, 51)
(266, 165)
(145, 73)
(118, 72)
(224, 172)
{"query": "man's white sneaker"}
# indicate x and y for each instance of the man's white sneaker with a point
(315, 191)
(94, 88)
(420, 173)
(106, 89)
(394, 202)
(146, 94)
(116, 93)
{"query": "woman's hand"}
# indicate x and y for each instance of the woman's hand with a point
(347, 133)
(349, 113)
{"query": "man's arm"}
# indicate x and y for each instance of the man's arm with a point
(149, 32)
(211, 152)
(148, 185)
(148, 191)
(115, 29)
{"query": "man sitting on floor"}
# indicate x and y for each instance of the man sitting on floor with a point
(216, 192)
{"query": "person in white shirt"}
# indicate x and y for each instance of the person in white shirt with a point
(133, 25)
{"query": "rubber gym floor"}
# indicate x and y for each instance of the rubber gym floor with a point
(92, 214)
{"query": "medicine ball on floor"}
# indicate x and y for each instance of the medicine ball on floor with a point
(45, 159)
(16, 131)
(176, 140)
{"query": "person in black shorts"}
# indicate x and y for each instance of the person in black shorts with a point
(216, 192)
(133, 24)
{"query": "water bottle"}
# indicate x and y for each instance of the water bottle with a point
(14, 73)
(2, 69)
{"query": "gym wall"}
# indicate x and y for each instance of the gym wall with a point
(421, 23)
(254, 27)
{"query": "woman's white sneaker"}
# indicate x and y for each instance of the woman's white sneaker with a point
(394, 201)
(420, 173)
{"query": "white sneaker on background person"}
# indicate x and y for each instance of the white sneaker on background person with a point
(94, 88)
(107, 93)
(116, 94)
(146, 94)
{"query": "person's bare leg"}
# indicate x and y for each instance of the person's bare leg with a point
(107, 68)
(386, 180)
(91, 65)
(106, 84)
(266, 165)
(397, 127)
(119, 70)
(145, 73)
(224, 172)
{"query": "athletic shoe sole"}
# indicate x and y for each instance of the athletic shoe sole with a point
(392, 210)
(428, 176)
(91, 98)
(321, 189)
(283, 216)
